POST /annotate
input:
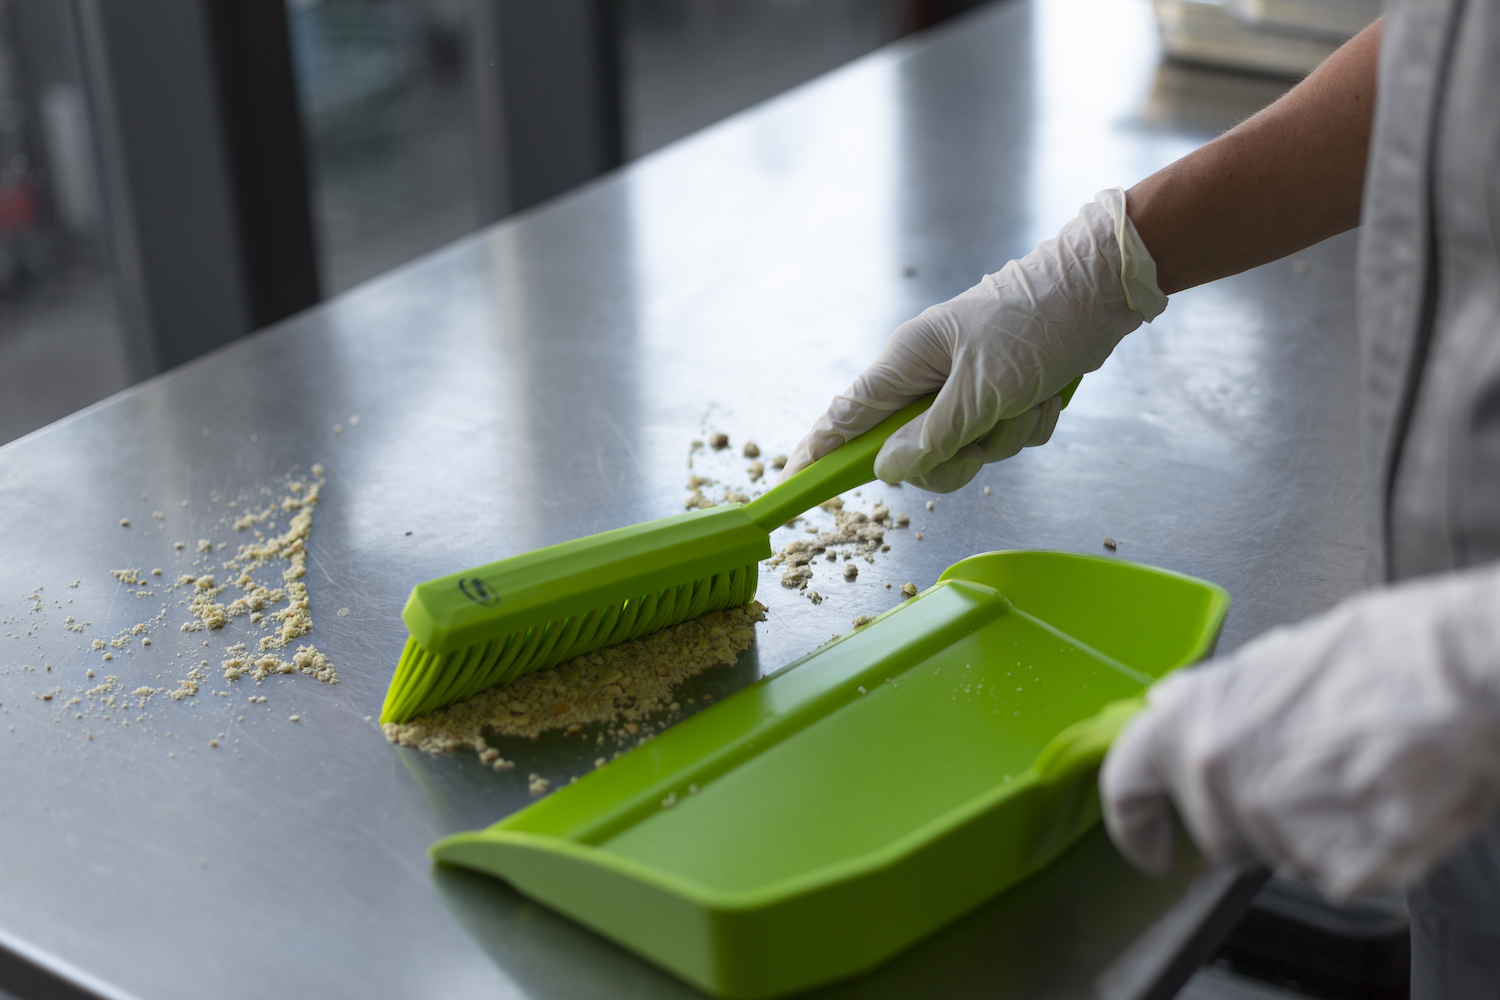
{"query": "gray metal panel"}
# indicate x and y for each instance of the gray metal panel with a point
(541, 381)
(205, 189)
(547, 98)
(171, 226)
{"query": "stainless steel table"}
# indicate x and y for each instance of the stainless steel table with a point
(541, 381)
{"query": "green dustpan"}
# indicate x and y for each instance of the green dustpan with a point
(802, 830)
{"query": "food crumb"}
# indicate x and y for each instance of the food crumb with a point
(919, 536)
(861, 620)
(537, 785)
(343, 612)
(1110, 543)
(752, 450)
(179, 546)
(986, 491)
(124, 522)
(929, 505)
(861, 689)
(619, 686)
(850, 571)
(909, 589)
(755, 470)
(213, 743)
(778, 461)
(294, 718)
(718, 441)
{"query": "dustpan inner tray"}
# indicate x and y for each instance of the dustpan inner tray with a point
(940, 732)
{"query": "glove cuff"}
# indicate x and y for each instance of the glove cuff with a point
(1137, 269)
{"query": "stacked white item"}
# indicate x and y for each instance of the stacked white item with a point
(1285, 37)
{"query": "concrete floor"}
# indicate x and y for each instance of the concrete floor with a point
(60, 348)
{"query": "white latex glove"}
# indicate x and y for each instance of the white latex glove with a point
(1000, 353)
(1352, 751)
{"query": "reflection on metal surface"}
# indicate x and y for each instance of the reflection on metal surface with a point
(541, 381)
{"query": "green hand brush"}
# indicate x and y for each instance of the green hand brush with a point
(487, 626)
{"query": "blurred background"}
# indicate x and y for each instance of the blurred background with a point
(184, 173)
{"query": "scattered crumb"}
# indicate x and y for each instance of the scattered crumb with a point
(850, 571)
(909, 589)
(1110, 543)
(537, 785)
(778, 461)
(755, 470)
(986, 491)
(919, 536)
(343, 612)
(815, 597)
(930, 504)
(752, 450)
(124, 522)
(294, 718)
(860, 620)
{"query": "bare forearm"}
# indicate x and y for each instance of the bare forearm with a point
(1283, 180)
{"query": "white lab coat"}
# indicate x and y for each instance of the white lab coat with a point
(1429, 296)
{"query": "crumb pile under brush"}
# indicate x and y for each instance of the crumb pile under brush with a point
(624, 689)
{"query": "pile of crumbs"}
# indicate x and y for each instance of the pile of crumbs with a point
(619, 688)
(129, 687)
(854, 534)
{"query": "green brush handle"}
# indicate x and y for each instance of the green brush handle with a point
(848, 466)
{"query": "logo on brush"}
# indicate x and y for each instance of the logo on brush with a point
(475, 590)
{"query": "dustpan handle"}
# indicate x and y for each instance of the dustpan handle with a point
(1082, 746)
(847, 467)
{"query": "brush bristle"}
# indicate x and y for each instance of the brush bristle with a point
(425, 681)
